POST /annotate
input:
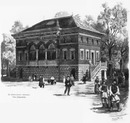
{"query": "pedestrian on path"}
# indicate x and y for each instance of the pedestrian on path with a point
(97, 85)
(52, 80)
(41, 82)
(72, 79)
(64, 79)
(67, 85)
(84, 79)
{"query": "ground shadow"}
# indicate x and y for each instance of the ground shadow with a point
(84, 93)
(81, 84)
(59, 94)
(100, 110)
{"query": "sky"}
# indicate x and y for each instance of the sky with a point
(30, 12)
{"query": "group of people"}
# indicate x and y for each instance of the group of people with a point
(68, 81)
(110, 95)
(52, 80)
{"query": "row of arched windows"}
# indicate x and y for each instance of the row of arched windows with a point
(42, 51)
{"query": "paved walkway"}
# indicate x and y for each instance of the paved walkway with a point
(82, 99)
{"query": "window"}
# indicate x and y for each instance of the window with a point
(41, 53)
(97, 42)
(82, 54)
(92, 42)
(87, 40)
(93, 57)
(51, 52)
(97, 55)
(64, 54)
(72, 53)
(26, 56)
(32, 53)
(87, 54)
(81, 39)
(20, 56)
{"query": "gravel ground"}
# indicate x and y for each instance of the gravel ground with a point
(23, 102)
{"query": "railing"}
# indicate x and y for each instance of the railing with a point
(104, 64)
(94, 72)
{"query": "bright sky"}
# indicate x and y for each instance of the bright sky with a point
(30, 12)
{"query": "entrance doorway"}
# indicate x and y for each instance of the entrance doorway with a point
(102, 73)
(92, 58)
(73, 72)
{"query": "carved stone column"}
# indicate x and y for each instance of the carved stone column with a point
(37, 56)
(27, 58)
(45, 54)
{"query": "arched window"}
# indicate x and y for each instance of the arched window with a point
(32, 53)
(72, 54)
(64, 51)
(51, 52)
(41, 53)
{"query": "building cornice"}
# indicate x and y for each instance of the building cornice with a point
(48, 31)
(82, 34)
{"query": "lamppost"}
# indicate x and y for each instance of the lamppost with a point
(58, 47)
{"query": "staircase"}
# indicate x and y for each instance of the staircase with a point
(97, 71)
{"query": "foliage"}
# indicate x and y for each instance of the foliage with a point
(17, 27)
(61, 14)
(8, 49)
(113, 21)
(8, 44)
(89, 20)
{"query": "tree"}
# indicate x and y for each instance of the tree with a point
(113, 21)
(61, 14)
(17, 27)
(8, 48)
(89, 20)
(8, 52)
(124, 50)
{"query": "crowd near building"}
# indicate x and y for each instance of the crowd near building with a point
(58, 47)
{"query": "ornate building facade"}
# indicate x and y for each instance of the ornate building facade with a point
(57, 47)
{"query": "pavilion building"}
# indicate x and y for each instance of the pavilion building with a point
(58, 47)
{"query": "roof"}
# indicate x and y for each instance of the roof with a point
(64, 22)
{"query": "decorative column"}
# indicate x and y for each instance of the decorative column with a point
(27, 55)
(37, 56)
(46, 57)
(45, 54)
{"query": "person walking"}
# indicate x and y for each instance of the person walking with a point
(67, 85)
(84, 79)
(97, 85)
(72, 79)
(64, 79)
(41, 82)
(52, 80)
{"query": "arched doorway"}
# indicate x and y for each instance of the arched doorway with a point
(73, 72)
(102, 74)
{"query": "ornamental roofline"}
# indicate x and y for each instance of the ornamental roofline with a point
(66, 22)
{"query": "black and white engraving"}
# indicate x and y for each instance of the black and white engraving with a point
(72, 65)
